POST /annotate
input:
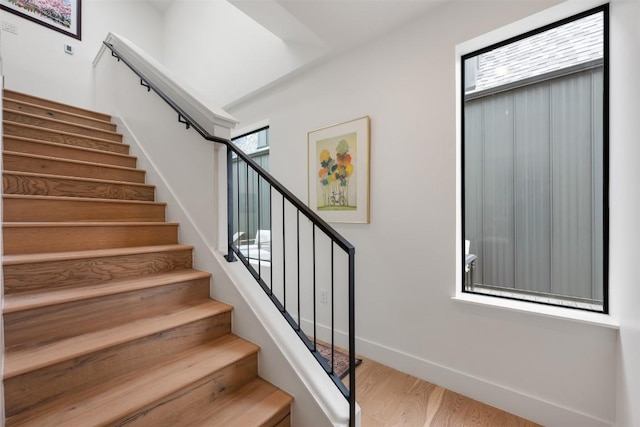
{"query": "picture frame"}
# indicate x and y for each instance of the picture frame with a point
(338, 171)
(64, 16)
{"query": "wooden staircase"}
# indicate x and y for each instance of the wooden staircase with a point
(105, 320)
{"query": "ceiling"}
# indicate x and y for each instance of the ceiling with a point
(161, 5)
(343, 23)
(337, 24)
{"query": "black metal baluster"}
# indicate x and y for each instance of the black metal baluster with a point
(271, 243)
(284, 259)
(247, 210)
(315, 332)
(230, 256)
(352, 337)
(332, 305)
(298, 259)
(259, 207)
(238, 199)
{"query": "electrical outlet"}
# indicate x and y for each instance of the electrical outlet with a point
(323, 296)
(9, 27)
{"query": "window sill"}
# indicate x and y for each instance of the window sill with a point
(590, 318)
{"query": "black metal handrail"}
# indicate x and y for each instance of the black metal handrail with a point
(301, 208)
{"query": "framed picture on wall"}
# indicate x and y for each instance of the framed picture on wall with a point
(59, 15)
(338, 169)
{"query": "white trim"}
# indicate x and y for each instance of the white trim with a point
(554, 312)
(549, 16)
(215, 120)
(522, 404)
(516, 402)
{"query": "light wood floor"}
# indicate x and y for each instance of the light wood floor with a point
(388, 397)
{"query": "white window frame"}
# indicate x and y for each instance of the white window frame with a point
(515, 29)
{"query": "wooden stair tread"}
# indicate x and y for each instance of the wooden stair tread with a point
(86, 224)
(61, 165)
(56, 111)
(51, 123)
(14, 303)
(69, 147)
(91, 266)
(124, 397)
(15, 95)
(58, 185)
(79, 178)
(74, 255)
(82, 199)
(20, 361)
(64, 132)
(119, 147)
(62, 159)
(257, 403)
(29, 208)
(38, 237)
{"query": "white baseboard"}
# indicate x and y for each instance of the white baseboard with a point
(513, 401)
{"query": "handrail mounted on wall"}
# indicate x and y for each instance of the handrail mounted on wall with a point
(261, 260)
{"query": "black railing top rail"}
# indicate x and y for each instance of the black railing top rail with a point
(186, 118)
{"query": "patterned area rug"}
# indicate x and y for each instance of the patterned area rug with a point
(340, 360)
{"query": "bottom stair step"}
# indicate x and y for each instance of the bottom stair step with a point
(209, 404)
(256, 404)
(134, 398)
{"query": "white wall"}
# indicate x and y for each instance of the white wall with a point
(552, 371)
(34, 60)
(224, 53)
(625, 202)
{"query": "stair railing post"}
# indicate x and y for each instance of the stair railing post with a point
(352, 339)
(230, 257)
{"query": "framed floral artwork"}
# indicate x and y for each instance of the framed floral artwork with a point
(338, 168)
(60, 15)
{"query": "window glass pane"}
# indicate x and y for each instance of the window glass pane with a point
(251, 195)
(254, 141)
(534, 166)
